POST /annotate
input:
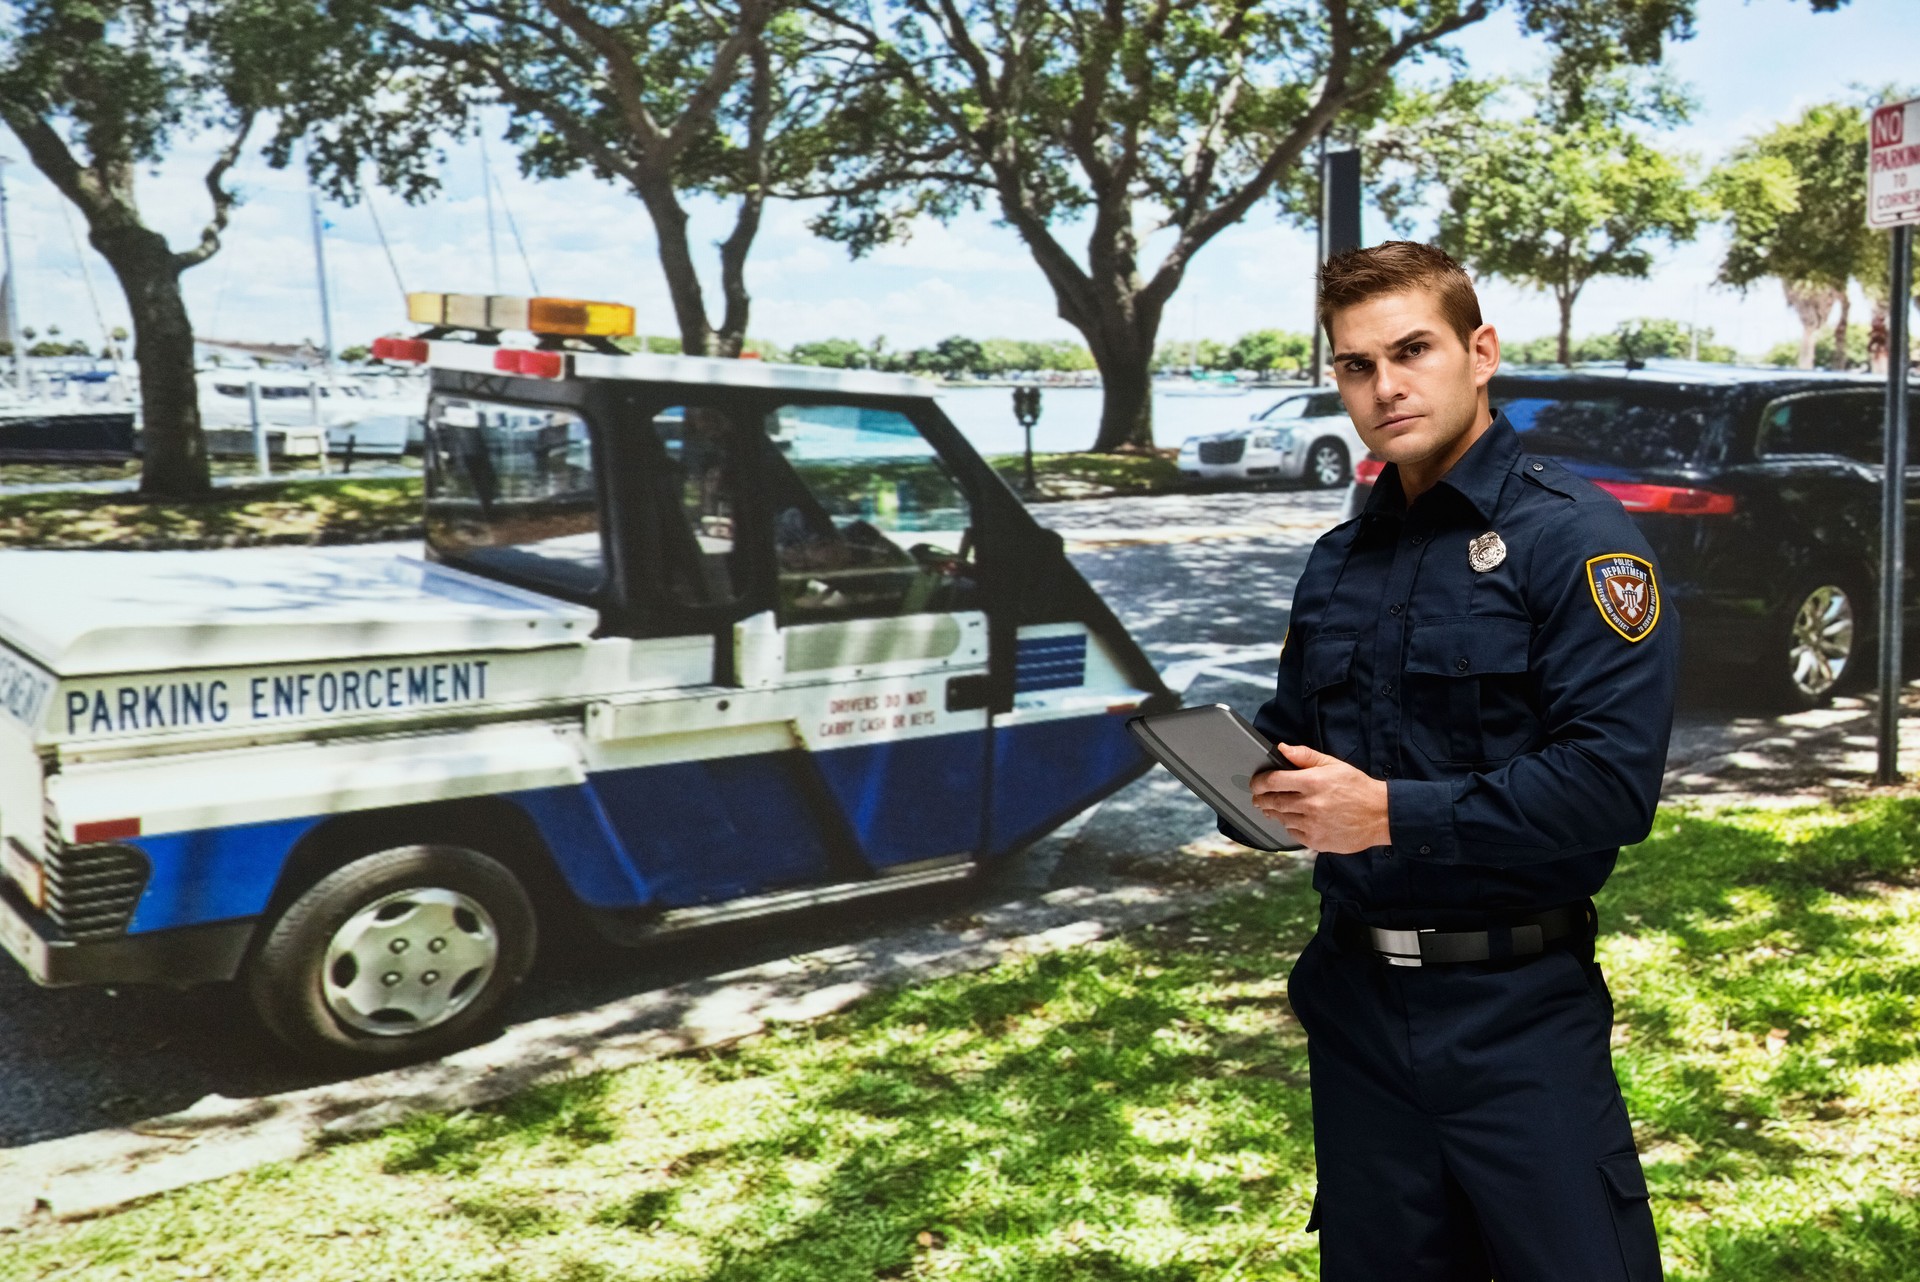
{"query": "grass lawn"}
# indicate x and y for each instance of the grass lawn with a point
(1137, 1110)
(333, 510)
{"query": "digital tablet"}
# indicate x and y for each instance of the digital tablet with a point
(1213, 751)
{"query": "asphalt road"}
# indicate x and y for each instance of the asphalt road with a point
(1205, 583)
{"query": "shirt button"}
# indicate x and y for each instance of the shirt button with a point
(1387, 689)
(1393, 610)
(1387, 771)
(1426, 850)
(1417, 539)
(1539, 467)
(1461, 664)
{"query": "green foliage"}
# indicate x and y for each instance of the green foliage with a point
(1795, 200)
(1570, 193)
(1787, 355)
(1646, 338)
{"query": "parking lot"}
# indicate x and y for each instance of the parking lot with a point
(1203, 581)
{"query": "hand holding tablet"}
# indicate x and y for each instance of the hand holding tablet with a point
(1213, 751)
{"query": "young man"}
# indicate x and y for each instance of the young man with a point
(1477, 690)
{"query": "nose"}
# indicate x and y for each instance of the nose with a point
(1386, 384)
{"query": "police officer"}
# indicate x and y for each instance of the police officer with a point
(1476, 692)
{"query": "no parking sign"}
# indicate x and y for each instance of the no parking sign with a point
(1893, 165)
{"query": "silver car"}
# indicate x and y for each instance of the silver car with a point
(1305, 436)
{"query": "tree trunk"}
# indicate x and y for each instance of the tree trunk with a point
(1565, 346)
(174, 451)
(1839, 360)
(676, 263)
(1812, 304)
(1126, 395)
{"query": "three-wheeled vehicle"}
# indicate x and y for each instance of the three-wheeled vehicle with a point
(692, 640)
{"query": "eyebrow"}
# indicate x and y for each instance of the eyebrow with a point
(1395, 345)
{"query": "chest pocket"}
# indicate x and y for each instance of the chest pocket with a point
(1327, 684)
(1467, 689)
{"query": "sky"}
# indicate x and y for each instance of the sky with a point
(1752, 63)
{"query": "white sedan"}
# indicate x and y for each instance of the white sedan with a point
(1305, 436)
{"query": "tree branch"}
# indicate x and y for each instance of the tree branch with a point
(223, 197)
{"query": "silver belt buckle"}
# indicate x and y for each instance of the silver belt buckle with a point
(1399, 947)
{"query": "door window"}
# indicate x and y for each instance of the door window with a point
(1847, 424)
(1606, 429)
(867, 520)
(510, 490)
(704, 554)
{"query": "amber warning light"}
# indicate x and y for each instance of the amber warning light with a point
(555, 317)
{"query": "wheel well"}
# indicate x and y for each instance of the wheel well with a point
(1318, 441)
(496, 828)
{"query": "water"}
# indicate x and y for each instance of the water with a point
(1070, 416)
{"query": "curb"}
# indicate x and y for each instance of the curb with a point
(79, 1176)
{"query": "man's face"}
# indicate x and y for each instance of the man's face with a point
(1409, 384)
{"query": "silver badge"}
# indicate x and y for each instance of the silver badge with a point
(1486, 552)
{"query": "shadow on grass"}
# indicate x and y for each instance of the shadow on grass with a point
(1060, 1122)
(572, 1113)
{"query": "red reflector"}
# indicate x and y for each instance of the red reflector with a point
(1367, 470)
(519, 360)
(1668, 498)
(543, 364)
(412, 351)
(105, 830)
(1123, 707)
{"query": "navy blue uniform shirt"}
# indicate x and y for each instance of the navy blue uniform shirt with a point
(1519, 714)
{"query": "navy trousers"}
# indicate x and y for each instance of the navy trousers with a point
(1467, 1122)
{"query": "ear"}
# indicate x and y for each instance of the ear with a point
(1484, 348)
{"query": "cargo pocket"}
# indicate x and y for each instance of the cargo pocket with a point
(1327, 684)
(1466, 684)
(1626, 1190)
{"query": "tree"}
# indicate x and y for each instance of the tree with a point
(834, 353)
(1121, 118)
(97, 89)
(1558, 198)
(1795, 202)
(664, 97)
(1271, 349)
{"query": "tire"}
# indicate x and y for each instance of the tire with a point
(1328, 467)
(1819, 645)
(453, 933)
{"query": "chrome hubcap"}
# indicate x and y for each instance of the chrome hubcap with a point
(1822, 640)
(409, 961)
(1327, 465)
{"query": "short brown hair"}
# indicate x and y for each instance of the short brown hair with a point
(1393, 267)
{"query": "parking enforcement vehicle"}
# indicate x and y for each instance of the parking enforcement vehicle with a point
(691, 640)
(1760, 491)
(1306, 437)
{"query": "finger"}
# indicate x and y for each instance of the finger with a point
(1301, 755)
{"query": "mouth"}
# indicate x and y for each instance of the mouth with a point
(1395, 421)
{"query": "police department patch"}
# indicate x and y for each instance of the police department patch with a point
(1624, 589)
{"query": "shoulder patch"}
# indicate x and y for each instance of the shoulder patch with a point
(1624, 590)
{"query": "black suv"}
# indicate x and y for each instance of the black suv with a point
(1760, 493)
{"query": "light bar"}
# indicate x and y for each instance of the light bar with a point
(412, 351)
(560, 317)
(518, 360)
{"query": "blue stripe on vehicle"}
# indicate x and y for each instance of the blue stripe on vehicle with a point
(585, 847)
(702, 831)
(1046, 772)
(1049, 663)
(214, 874)
(910, 799)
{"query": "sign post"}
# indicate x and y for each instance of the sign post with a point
(1893, 201)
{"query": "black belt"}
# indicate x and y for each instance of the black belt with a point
(1518, 937)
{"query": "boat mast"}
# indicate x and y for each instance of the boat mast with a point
(320, 269)
(486, 189)
(12, 287)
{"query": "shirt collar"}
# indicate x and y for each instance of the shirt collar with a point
(1477, 477)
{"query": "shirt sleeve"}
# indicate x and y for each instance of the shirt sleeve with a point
(1281, 719)
(1606, 704)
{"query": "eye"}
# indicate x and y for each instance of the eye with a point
(1413, 349)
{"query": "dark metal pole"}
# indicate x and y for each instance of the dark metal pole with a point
(1893, 523)
(1319, 252)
